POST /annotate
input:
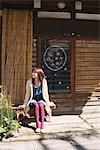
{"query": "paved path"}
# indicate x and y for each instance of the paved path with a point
(84, 140)
(65, 132)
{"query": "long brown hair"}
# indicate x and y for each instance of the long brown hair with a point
(40, 73)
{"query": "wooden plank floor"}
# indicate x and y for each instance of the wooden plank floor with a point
(91, 113)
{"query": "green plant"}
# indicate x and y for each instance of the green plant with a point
(7, 122)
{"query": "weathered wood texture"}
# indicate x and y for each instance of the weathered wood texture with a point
(34, 53)
(16, 52)
(87, 73)
(63, 102)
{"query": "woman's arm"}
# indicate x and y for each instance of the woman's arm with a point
(27, 94)
(45, 91)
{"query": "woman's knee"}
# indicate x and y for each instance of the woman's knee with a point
(36, 104)
(41, 105)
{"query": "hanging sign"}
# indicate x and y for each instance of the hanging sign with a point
(55, 57)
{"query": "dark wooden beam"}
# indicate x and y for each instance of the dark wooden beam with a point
(20, 4)
(88, 5)
(66, 27)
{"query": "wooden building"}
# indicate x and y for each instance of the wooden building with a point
(62, 37)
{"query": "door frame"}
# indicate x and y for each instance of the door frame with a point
(72, 66)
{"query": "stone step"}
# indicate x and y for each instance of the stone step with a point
(92, 103)
(88, 109)
(94, 98)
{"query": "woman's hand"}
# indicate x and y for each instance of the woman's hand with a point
(51, 105)
(48, 103)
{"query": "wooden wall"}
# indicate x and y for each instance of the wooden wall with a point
(64, 27)
(87, 73)
(63, 102)
(87, 70)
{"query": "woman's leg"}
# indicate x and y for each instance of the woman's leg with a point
(37, 114)
(42, 114)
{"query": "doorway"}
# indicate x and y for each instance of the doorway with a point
(57, 61)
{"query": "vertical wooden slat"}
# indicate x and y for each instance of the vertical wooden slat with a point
(87, 64)
(16, 52)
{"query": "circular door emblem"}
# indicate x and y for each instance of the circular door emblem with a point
(55, 58)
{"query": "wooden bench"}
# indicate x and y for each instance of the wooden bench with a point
(20, 111)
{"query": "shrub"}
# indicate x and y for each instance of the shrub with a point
(7, 122)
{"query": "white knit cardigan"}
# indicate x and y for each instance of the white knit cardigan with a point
(29, 94)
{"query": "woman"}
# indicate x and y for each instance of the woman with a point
(37, 96)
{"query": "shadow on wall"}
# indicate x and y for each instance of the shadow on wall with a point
(82, 97)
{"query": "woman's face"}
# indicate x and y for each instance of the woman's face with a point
(34, 74)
